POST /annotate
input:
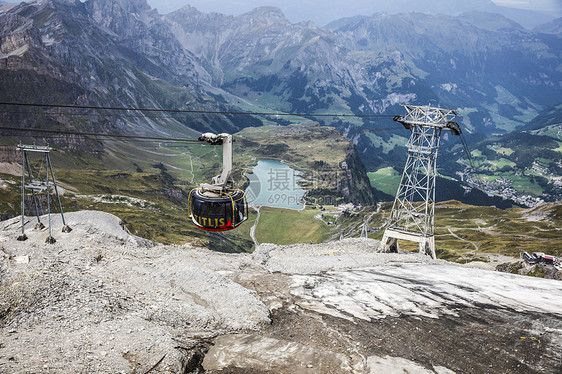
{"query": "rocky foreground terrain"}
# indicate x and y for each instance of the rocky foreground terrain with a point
(100, 300)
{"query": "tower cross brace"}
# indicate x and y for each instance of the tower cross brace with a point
(412, 215)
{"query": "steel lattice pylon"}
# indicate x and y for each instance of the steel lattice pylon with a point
(38, 186)
(412, 215)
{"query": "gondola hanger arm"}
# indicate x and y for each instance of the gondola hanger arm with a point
(224, 139)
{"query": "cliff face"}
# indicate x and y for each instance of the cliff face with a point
(9, 154)
(98, 53)
(355, 185)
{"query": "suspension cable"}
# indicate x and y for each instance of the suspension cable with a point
(467, 151)
(61, 134)
(223, 112)
(95, 134)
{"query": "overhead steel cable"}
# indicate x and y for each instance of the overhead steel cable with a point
(65, 137)
(96, 134)
(467, 151)
(155, 116)
(478, 177)
(373, 130)
(225, 112)
(60, 134)
(316, 133)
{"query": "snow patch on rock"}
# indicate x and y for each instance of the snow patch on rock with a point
(422, 290)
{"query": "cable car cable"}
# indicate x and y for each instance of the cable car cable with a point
(61, 134)
(198, 111)
(467, 151)
(114, 115)
(100, 134)
(372, 130)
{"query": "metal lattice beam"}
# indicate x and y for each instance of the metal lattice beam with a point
(412, 215)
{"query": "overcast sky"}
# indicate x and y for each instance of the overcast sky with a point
(298, 10)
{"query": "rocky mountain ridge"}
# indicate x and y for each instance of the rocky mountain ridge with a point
(328, 11)
(97, 53)
(554, 27)
(497, 74)
(261, 56)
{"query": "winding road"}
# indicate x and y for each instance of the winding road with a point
(253, 228)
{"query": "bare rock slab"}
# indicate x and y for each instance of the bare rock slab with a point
(256, 352)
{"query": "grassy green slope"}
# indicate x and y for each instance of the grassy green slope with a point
(464, 230)
(285, 226)
(524, 165)
(146, 185)
(152, 208)
(385, 179)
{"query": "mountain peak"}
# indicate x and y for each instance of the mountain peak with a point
(489, 21)
(187, 10)
(132, 6)
(71, 2)
(270, 13)
(553, 27)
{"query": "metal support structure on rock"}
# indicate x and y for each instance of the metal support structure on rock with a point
(37, 186)
(412, 215)
(364, 231)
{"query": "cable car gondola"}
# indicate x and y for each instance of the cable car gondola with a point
(218, 206)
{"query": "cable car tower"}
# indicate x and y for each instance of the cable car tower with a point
(412, 215)
(218, 206)
(37, 186)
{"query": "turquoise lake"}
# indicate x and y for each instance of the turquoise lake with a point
(274, 184)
